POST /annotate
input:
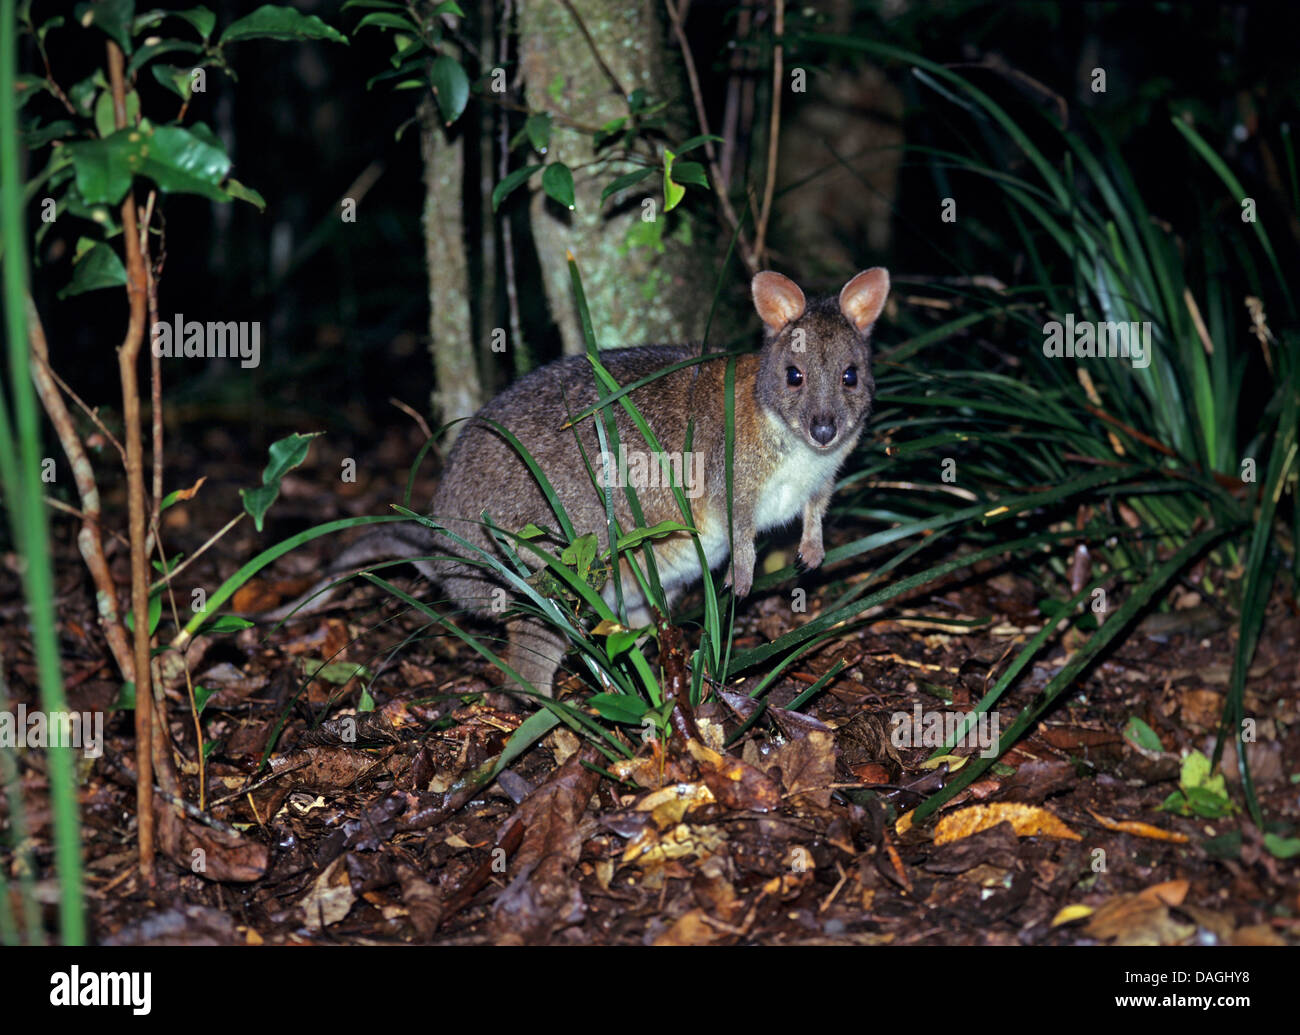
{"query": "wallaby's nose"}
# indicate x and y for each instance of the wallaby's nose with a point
(823, 430)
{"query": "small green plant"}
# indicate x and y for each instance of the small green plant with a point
(1201, 790)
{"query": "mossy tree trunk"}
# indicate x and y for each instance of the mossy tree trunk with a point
(637, 292)
(458, 390)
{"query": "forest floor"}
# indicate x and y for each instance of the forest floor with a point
(795, 834)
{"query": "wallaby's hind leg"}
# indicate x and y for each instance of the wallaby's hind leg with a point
(535, 651)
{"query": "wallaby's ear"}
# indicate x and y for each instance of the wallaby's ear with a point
(777, 299)
(864, 297)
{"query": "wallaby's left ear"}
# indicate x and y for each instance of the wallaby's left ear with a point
(864, 297)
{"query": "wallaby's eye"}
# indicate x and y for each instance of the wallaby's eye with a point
(793, 377)
(851, 377)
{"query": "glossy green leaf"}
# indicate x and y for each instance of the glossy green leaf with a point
(177, 80)
(200, 17)
(286, 454)
(105, 123)
(619, 707)
(451, 86)
(512, 180)
(203, 694)
(626, 180)
(690, 172)
(104, 167)
(389, 20)
(673, 192)
(272, 22)
(152, 50)
(99, 268)
(39, 136)
(113, 16)
(1142, 735)
(241, 193)
(228, 624)
(538, 129)
(557, 181)
(186, 161)
(694, 142)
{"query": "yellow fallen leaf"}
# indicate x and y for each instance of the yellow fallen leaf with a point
(1138, 829)
(1071, 913)
(955, 762)
(1025, 820)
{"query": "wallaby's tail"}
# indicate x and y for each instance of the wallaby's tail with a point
(396, 542)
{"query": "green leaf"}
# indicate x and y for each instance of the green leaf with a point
(694, 142)
(448, 7)
(82, 93)
(186, 161)
(619, 707)
(39, 135)
(365, 703)
(637, 536)
(1208, 803)
(28, 86)
(503, 189)
(579, 554)
(271, 22)
(690, 172)
(201, 18)
(155, 613)
(620, 642)
(105, 124)
(152, 50)
(286, 454)
(451, 86)
(625, 181)
(203, 694)
(388, 20)
(538, 129)
(228, 624)
(241, 193)
(98, 268)
(1139, 733)
(113, 16)
(125, 699)
(177, 80)
(53, 23)
(673, 192)
(557, 181)
(1282, 847)
(336, 672)
(104, 167)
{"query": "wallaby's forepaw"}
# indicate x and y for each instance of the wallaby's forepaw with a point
(812, 554)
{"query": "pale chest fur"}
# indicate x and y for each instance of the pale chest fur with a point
(800, 474)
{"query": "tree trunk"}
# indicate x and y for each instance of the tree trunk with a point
(636, 294)
(458, 390)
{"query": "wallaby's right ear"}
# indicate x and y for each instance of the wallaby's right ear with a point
(777, 299)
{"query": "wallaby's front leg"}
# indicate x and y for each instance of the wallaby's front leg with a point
(811, 550)
(741, 577)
